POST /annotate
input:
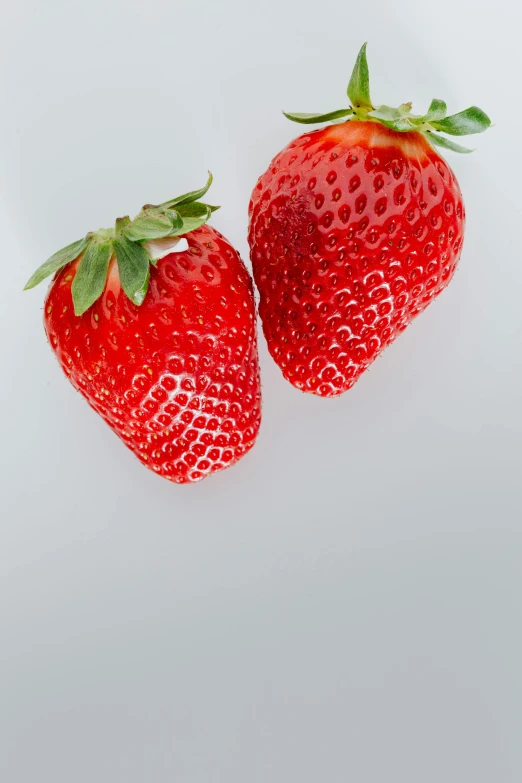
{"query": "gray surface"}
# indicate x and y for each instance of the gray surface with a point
(345, 603)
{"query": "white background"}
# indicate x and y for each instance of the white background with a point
(345, 603)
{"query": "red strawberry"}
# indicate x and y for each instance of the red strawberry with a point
(165, 351)
(354, 230)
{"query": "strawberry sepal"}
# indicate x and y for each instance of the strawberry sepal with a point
(309, 119)
(128, 242)
(401, 119)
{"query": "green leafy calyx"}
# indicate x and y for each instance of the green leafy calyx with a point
(128, 242)
(431, 124)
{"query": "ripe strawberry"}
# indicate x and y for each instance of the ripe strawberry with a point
(164, 350)
(354, 230)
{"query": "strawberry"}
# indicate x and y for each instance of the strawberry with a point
(161, 344)
(354, 229)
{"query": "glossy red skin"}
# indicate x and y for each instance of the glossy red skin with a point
(354, 230)
(177, 378)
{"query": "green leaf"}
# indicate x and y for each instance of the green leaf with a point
(57, 262)
(402, 124)
(196, 209)
(133, 267)
(386, 113)
(436, 111)
(140, 295)
(149, 224)
(309, 119)
(359, 86)
(472, 120)
(176, 221)
(187, 198)
(191, 223)
(120, 224)
(442, 141)
(90, 278)
(392, 118)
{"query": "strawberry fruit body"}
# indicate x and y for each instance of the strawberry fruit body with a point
(177, 375)
(354, 229)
